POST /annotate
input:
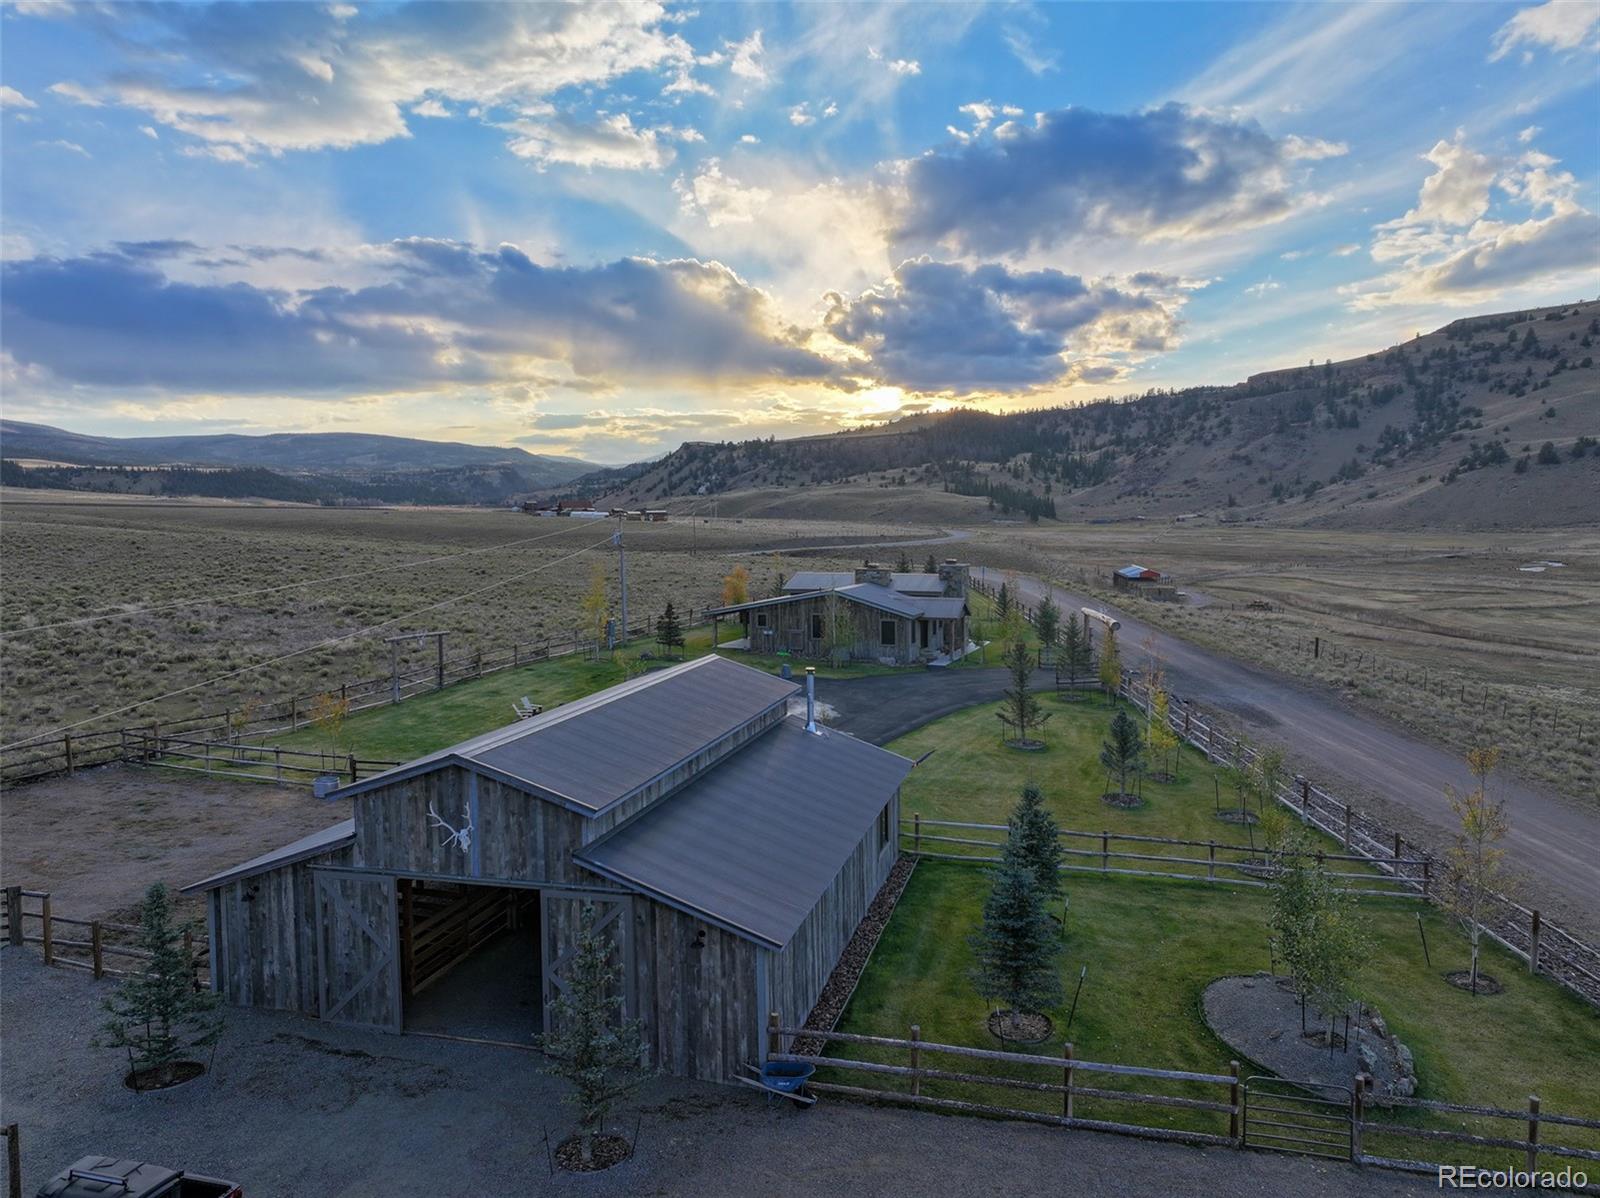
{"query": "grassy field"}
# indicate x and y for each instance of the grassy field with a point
(1151, 949)
(489, 578)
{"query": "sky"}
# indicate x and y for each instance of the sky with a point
(604, 230)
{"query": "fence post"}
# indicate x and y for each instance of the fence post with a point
(277, 756)
(1066, 1078)
(353, 777)
(1234, 1129)
(916, 1059)
(1533, 1132)
(1305, 800)
(1105, 851)
(916, 833)
(1427, 872)
(1357, 1114)
(14, 915)
(13, 1162)
(1533, 943)
(47, 935)
(294, 713)
(1397, 850)
(1211, 866)
(1347, 829)
(66, 741)
(774, 1036)
(95, 949)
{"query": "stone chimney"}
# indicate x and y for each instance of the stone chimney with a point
(874, 573)
(954, 576)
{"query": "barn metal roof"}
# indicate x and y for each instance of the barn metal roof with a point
(1137, 572)
(753, 843)
(596, 751)
(315, 845)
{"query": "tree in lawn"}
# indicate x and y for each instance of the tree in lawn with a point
(736, 587)
(1318, 938)
(1020, 710)
(1163, 740)
(903, 565)
(1110, 665)
(596, 607)
(1002, 602)
(592, 1047)
(1016, 947)
(1047, 623)
(1038, 839)
(1266, 776)
(328, 714)
(931, 566)
(1072, 658)
(669, 631)
(1477, 862)
(160, 1015)
(1122, 752)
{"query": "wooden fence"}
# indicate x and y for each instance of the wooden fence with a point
(237, 759)
(87, 944)
(1150, 857)
(1090, 1095)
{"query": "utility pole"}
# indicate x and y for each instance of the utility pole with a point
(622, 577)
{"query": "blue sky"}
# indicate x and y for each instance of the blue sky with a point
(606, 230)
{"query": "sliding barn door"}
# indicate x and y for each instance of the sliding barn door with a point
(561, 911)
(358, 962)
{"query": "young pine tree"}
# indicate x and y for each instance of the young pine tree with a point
(1016, 947)
(1047, 622)
(592, 1047)
(1038, 839)
(931, 566)
(1072, 659)
(1021, 709)
(1123, 750)
(160, 1014)
(669, 631)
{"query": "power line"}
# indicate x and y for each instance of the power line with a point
(326, 644)
(287, 586)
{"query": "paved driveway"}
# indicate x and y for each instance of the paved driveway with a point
(296, 1108)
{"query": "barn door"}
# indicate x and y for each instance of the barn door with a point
(358, 967)
(561, 911)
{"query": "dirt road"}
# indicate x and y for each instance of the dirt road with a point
(1554, 844)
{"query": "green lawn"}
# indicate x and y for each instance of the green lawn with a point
(1151, 948)
(438, 719)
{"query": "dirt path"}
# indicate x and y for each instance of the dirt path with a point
(297, 1108)
(1553, 844)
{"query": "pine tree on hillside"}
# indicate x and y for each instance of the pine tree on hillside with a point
(1016, 947)
(1123, 750)
(1038, 839)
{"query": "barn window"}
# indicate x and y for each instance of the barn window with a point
(886, 632)
(883, 826)
(816, 626)
(761, 619)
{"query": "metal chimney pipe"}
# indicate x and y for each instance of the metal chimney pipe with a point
(811, 699)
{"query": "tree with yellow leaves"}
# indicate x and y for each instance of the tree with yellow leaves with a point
(596, 607)
(1477, 862)
(1162, 739)
(736, 587)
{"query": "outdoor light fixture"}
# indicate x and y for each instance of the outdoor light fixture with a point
(699, 939)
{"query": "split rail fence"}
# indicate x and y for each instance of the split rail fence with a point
(100, 947)
(1212, 1109)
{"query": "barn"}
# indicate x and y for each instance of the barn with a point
(868, 614)
(729, 848)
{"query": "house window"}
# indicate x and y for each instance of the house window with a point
(886, 632)
(883, 826)
(816, 626)
(761, 619)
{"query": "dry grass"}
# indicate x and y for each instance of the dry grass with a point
(66, 558)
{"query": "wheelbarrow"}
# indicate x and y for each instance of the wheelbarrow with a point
(782, 1079)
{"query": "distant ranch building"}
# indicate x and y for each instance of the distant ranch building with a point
(1144, 582)
(869, 614)
(728, 851)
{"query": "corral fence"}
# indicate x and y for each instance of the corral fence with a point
(46, 756)
(1221, 1109)
(1130, 855)
(237, 759)
(100, 947)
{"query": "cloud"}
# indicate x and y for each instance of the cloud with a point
(10, 97)
(611, 141)
(1449, 250)
(71, 147)
(800, 114)
(937, 327)
(1555, 25)
(747, 59)
(243, 81)
(1028, 53)
(1165, 173)
(1265, 287)
(719, 199)
(448, 313)
(896, 66)
(750, 139)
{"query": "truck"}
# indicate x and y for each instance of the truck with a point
(109, 1177)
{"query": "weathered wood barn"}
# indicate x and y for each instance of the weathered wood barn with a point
(869, 614)
(728, 847)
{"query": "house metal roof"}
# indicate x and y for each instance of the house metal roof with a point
(872, 595)
(315, 845)
(596, 751)
(829, 580)
(1138, 572)
(752, 844)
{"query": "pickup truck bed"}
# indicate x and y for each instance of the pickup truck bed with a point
(108, 1177)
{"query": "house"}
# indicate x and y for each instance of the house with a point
(872, 614)
(729, 848)
(1145, 582)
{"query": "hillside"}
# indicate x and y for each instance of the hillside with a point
(337, 453)
(1489, 422)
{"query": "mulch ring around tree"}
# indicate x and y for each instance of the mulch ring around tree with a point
(1161, 776)
(1122, 798)
(1030, 1028)
(608, 1150)
(1026, 746)
(163, 1077)
(1461, 979)
(1234, 815)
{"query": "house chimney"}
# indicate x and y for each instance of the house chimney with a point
(811, 699)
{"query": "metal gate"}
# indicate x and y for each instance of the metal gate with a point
(1298, 1116)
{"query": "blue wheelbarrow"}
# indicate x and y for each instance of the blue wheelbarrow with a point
(782, 1079)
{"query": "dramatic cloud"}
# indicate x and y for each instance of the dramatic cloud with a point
(1166, 173)
(1448, 249)
(1555, 25)
(450, 314)
(249, 80)
(940, 327)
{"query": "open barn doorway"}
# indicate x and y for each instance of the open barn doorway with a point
(470, 960)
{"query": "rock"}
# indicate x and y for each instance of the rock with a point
(1377, 1023)
(1369, 1059)
(1403, 1054)
(1404, 1087)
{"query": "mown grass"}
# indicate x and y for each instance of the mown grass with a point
(1152, 947)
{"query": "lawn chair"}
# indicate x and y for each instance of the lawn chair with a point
(525, 708)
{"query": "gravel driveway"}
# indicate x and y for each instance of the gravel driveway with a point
(295, 1107)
